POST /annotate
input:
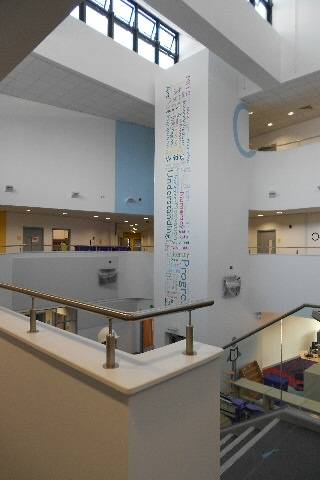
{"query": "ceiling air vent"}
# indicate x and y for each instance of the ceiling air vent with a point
(9, 188)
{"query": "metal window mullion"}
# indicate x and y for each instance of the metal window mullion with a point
(111, 20)
(176, 57)
(135, 29)
(157, 43)
(82, 12)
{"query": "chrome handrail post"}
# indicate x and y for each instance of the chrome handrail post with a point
(33, 319)
(189, 336)
(110, 348)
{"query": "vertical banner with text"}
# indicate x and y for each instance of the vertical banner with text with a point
(178, 191)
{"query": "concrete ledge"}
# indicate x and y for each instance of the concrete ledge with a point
(136, 372)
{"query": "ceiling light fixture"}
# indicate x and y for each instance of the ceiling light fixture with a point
(136, 225)
(260, 214)
(250, 113)
(28, 210)
(279, 213)
(95, 216)
(290, 114)
(270, 124)
(145, 218)
(131, 225)
(64, 213)
(126, 221)
(108, 218)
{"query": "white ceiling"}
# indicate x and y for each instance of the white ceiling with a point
(273, 105)
(40, 80)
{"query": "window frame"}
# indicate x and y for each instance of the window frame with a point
(268, 6)
(134, 28)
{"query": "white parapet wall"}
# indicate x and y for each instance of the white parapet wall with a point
(63, 416)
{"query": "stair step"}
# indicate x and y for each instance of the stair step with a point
(226, 439)
(236, 442)
(245, 448)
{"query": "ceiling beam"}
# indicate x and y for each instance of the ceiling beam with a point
(24, 24)
(234, 31)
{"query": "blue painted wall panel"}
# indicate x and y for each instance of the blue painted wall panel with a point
(134, 168)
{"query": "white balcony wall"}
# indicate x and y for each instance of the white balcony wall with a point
(82, 49)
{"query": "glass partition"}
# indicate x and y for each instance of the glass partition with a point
(276, 367)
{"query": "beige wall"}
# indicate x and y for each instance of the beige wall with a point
(290, 137)
(288, 240)
(82, 230)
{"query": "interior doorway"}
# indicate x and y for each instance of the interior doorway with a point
(266, 241)
(132, 240)
(61, 239)
(32, 239)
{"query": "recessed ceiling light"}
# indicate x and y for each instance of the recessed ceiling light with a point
(131, 225)
(250, 113)
(290, 114)
(126, 221)
(107, 218)
(279, 213)
(260, 214)
(136, 224)
(95, 216)
(28, 210)
(145, 218)
(64, 213)
(270, 124)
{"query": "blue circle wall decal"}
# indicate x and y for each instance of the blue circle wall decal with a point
(244, 151)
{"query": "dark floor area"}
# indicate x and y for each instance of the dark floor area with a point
(287, 452)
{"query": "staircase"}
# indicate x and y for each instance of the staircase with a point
(283, 445)
(234, 446)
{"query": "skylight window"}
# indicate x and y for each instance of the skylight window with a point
(124, 11)
(133, 27)
(264, 8)
(146, 25)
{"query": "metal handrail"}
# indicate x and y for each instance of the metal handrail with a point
(108, 312)
(111, 313)
(272, 322)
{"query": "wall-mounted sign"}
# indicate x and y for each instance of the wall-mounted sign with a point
(244, 151)
(178, 191)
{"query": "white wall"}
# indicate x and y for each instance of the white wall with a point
(227, 29)
(279, 283)
(229, 176)
(83, 230)
(219, 198)
(297, 23)
(293, 174)
(47, 153)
